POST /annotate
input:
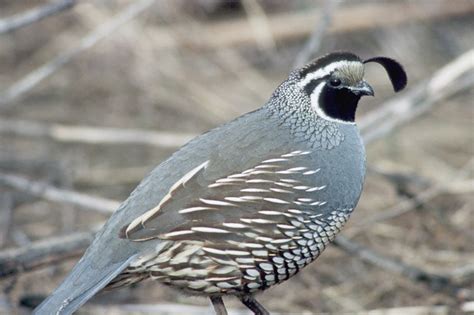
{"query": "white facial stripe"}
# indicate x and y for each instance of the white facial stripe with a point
(315, 106)
(326, 71)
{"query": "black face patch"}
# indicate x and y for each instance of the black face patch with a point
(338, 103)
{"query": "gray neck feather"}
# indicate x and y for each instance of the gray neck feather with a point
(293, 108)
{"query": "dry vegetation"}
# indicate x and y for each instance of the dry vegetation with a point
(92, 97)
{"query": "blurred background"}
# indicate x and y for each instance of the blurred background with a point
(94, 94)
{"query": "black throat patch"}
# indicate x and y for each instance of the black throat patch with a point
(338, 103)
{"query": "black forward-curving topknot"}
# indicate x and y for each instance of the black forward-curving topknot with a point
(395, 71)
(328, 59)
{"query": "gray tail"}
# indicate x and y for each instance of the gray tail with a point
(83, 283)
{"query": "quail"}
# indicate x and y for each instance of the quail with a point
(246, 205)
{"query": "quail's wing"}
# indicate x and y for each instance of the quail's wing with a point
(270, 197)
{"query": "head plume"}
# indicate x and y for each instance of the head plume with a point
(395, 71)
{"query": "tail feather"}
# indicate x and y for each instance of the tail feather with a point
(83, 282)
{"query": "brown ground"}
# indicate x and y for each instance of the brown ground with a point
(133, 80)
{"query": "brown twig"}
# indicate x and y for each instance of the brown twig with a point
(162, 308)
(6, 207)
(48, 192)
(17, 21)
(43, 253)
(462, 273)
(411, 203)
(93, 135)
(433, 281)
(300, 24)
(110, 176)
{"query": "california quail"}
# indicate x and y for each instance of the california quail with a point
(246, 205)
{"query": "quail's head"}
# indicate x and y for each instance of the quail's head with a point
(334, 84)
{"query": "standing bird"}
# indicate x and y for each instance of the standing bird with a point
(246, 205)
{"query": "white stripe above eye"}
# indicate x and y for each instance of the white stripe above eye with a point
(320, 73)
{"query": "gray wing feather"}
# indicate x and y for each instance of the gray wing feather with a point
(81, 284)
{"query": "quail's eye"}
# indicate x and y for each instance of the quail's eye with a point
(335, 82)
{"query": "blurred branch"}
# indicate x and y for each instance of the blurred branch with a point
(171, 309)
(300, 24)
(96, 135)
(43, 253)
(258, 21)
(433, 281)
(412, 203)
(468, 307)
(162, 308)
(314, 41)
(51, 193)
(111, 176)
(25, 84)
(34, 15)
(246, 74)
(6, 207)
(411, 310)
(463, 273)
(403, 182)
(444, 83)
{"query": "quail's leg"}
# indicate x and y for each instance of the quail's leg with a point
(254, 306)
(218, 304)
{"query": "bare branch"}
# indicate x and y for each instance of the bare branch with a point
(433, 281)
(43, 253)
(300, 24)
(95, 135)
(314, 42)
(258, 21)
(107, 176)
(411, 203)
(162, 308)
(170, 309)
(468, 307)
(463, 273)
(43, 190)
(34, 15)
(6, 207)
(28, 82)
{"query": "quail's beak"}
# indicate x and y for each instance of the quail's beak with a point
(362, 88)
